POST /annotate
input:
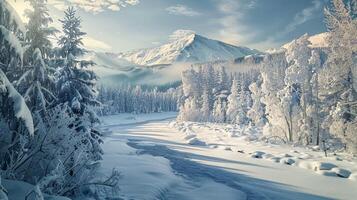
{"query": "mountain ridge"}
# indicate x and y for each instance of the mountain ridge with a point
(186, 47)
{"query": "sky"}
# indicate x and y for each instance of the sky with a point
(124, 25)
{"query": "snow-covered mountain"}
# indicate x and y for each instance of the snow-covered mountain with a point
(317, 41)
(165, 63)
(186, 46)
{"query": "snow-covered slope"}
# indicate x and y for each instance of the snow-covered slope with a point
(186, 46)
(164, 64)
(317, 41)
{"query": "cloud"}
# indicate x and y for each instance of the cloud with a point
(92, 6)
(94, 44)
(233, 29)
(304, 16)
(180, 9)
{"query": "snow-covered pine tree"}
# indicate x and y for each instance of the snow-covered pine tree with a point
(209, 83)
(243, 105)
(71, 41)
(11, 34)
(219, 110)
(233, 103)
(76, 83)
(38, 30)
(257, 112)
(205, 109)
(16, 123)
(36, 84)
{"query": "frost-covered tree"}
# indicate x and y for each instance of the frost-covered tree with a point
(71, 41)
(233, 103)
(273, 73)
(36, 84)
(257, 111)
(67, 155)
(205, 110)
(37, 29)
(11, 34)
(76, 83)
(209, 83)
(16, 125)
(190, 111)
(126, 99)
(222, 80)
(314, 110)
(338, 78)
(219, 110)
(298, 78)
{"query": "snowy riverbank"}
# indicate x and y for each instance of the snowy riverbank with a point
(158, 161)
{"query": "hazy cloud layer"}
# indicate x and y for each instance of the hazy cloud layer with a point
(96, 6)
(95, 44)
(180, 9)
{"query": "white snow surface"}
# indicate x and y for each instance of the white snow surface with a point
(317, 41)
(157, 161)
(186, 46)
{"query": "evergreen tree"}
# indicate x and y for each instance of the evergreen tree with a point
(38, 30)
(205, 110)
(219, 110)
(36, 84)
(76, 83)
(233, 103)
(11, 34)
(16, 123)
(71, 41)
(257, 112)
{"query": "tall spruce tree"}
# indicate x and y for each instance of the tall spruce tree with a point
(76, 83)
(16, 123)
(38, 30)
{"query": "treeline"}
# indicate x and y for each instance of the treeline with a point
(303, 95)
(47, 122)
(213, 95)
(134, 99)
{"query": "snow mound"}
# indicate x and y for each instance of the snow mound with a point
(343, 173)
(257, 154)
(287, 161)
(228, 149)
(316, 166)
(196, 142)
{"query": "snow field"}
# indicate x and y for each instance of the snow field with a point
(310, 158)
(157, 162)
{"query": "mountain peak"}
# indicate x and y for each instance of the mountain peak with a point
(187, 46)
(182, 35)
